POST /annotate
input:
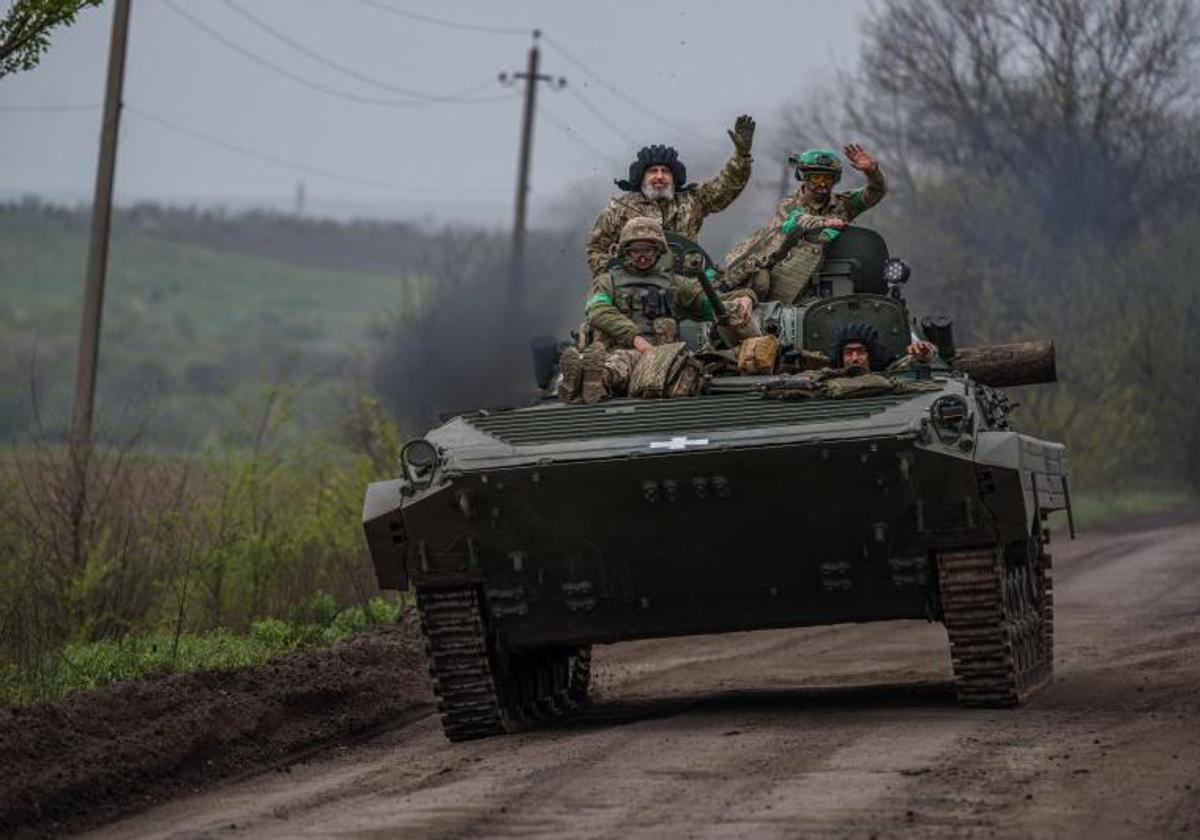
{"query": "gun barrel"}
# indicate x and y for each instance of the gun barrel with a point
(718, 305)
(1004, 365)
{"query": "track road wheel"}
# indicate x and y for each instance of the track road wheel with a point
(995, 608)
(483, 690)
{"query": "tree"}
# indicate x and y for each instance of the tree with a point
(1088, 103)
(25, 30)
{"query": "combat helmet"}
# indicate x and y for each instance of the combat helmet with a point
(642, 229)
(656, 155)
(817, 160)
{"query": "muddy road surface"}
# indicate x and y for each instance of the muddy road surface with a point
(832, 732)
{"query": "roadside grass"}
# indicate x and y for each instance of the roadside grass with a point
(135, 562)
(1096, 508)
(318, 623)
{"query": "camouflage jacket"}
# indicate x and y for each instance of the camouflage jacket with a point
(763, 247)
(685, 213)
(619, 316)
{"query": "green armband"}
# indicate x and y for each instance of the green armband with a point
(599, 297)
(830, 234)
(791, 221)
(710, 273)
(707, 308)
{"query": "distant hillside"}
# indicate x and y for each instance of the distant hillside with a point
(200, 312)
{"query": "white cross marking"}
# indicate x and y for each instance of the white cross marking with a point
(677, 443)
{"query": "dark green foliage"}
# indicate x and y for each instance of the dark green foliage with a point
(25, 30)
(1042, 158)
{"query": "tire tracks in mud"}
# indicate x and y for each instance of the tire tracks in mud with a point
(836, 731)
(828, 732)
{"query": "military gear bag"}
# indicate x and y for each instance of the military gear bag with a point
(792, 274)
(656, 370)
(756, 356)
(688, 380)
(866, 385)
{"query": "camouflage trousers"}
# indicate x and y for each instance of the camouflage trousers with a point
(600, 373)
(615, 366)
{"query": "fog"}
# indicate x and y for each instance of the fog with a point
(235, 103)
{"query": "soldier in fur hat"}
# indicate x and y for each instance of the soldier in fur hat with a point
(856, 345)
(657, 187)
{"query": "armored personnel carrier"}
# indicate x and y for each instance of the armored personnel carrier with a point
(533, 533)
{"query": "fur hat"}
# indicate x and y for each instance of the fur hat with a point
(859, 332)
(656, 156)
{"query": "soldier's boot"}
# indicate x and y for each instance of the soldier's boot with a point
(571, 365)
(594, 386)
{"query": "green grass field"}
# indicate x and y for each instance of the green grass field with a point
(1098, 508)
(94, 665)
(192, 329)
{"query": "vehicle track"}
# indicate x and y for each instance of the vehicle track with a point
(843, 731)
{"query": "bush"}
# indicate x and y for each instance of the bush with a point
(113, 562)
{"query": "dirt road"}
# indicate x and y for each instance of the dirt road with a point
(844, 731)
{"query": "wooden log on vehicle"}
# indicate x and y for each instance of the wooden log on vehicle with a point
(1005, 365)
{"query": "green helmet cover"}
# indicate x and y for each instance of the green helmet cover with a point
(817, 160)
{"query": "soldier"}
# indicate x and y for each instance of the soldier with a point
(857, 346)
(631, 313)
(657, 188)
(778, 259)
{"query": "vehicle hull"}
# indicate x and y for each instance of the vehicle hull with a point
(712, 539)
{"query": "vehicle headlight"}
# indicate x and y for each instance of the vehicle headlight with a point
(419, 455)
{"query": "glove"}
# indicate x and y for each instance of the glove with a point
(742, 134)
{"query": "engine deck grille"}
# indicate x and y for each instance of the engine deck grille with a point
(554, 423)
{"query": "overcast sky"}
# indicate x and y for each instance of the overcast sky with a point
(212, 68)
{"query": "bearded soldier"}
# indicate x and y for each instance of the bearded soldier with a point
(856, 345)
(632, 313)
(778, 259)
(657, 188)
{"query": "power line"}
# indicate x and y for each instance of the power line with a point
(288, 74)
(624, 97)
(297, 167)
(351, 72)
(599, 115)
(448, 24)
(576, 137)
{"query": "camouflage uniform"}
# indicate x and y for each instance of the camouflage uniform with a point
(624, 303)
(751, 260)
(684, 213)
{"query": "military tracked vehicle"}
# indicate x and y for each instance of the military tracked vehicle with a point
(533, 533)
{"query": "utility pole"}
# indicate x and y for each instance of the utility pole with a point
(97, 264)
(531, 77)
